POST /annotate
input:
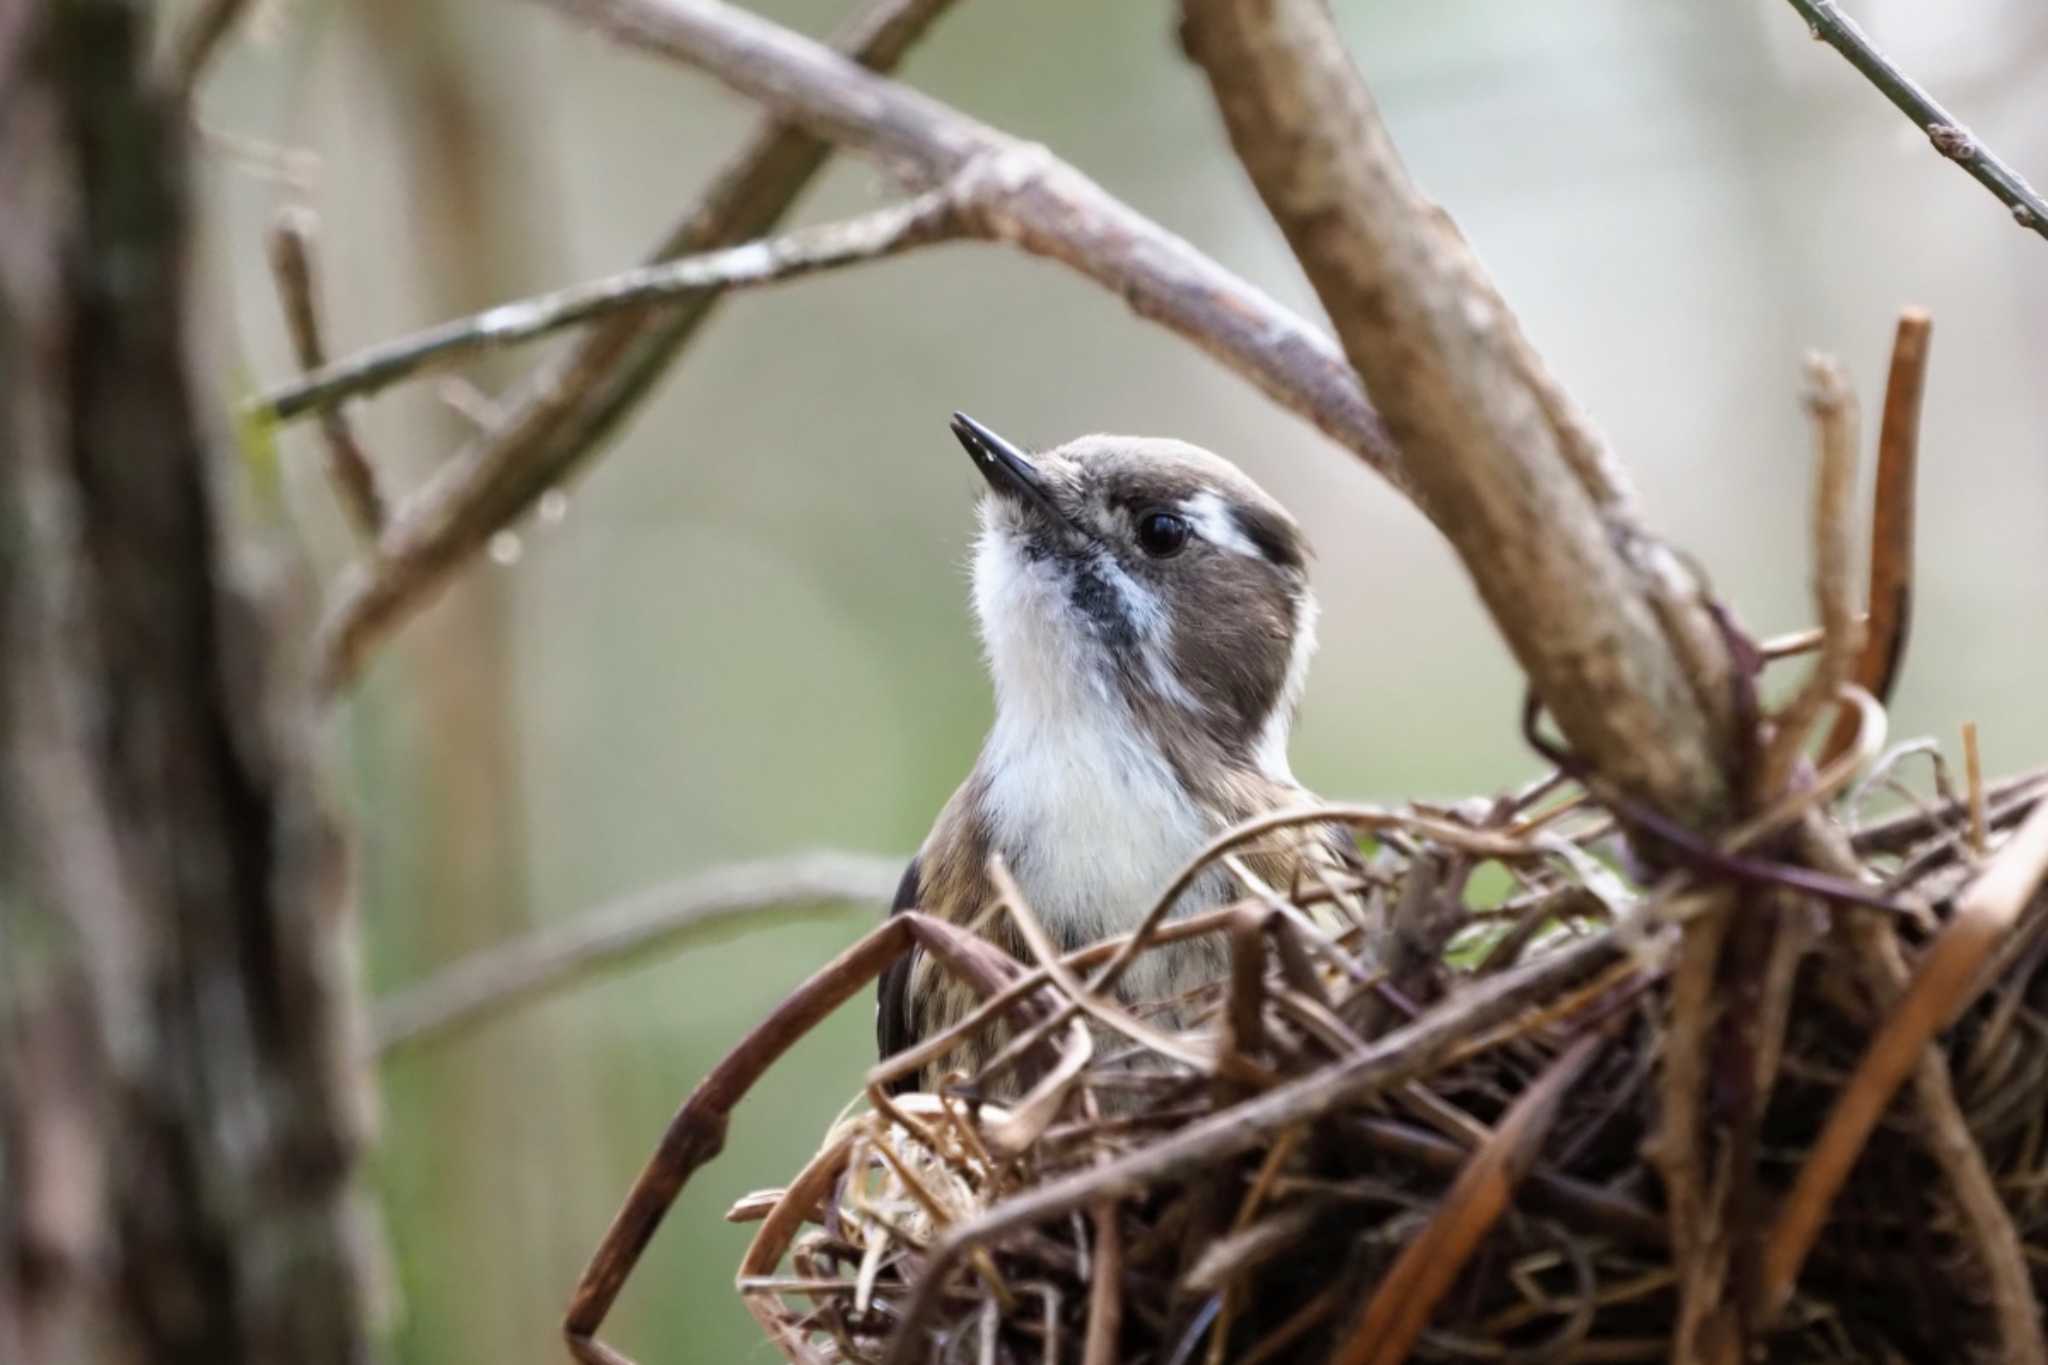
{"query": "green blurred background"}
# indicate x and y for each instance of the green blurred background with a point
(748, 634)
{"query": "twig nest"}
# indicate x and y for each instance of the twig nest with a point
(1428, 1116)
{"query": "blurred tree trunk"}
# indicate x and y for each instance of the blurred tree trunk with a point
(479, 1282)
(181, 1106)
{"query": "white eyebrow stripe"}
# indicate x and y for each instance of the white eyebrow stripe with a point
(1210, 516)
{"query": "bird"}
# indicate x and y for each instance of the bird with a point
(1147, 622)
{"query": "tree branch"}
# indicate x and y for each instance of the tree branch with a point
(1618, 646)
(1832, 405)
(348, 467)
(1009, 191)
(1889, 586)
(1949, 137)
(512, 974)
(930, 217)
(559, 416)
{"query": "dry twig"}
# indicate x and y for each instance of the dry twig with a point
(697, 1132)
(1833, 408)
(1947, 978)
(1949, 137)
(556, 419)
(348, 467)
(1019, 1222)
(1397, 1057)
(1888, 617)
(1149, 930)
(1105, 1300)
(1410, 1290)
(872, 236)
(2007, 799)
(512, 974)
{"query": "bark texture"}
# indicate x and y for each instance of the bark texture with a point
(181, 1106)
(1614, 638)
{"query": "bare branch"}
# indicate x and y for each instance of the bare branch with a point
(1010, 192)
(697, 1131)
(1890, 589)
(1613, 639)
(552, 958)
(1949, 137)
(560, 415)
(1833, 409)
(291, 263)
(871, 236)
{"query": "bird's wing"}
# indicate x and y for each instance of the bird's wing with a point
(892, 1013)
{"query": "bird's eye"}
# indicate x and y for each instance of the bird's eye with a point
(1162, 534)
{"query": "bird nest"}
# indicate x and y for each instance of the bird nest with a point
(1508, 1093)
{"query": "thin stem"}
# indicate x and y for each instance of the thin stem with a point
(486, 984)
(557, 419)
(885, 232)
(348, 466)
(1889, 594)
(1949, 137)
(1833, 408)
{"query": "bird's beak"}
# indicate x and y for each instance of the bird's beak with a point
(1009, 471)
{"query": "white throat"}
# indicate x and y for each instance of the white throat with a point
(1082, 805)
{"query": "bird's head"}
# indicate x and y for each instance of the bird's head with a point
(1148, 577)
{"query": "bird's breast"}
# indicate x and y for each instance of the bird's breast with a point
(1094, 825)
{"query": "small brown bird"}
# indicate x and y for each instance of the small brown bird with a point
(1148, 624)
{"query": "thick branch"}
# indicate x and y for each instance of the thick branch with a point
(1015, 192)
(872, 236)
(1010, 191)
(1620, 651)
(515, 973)
(1949, 137)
